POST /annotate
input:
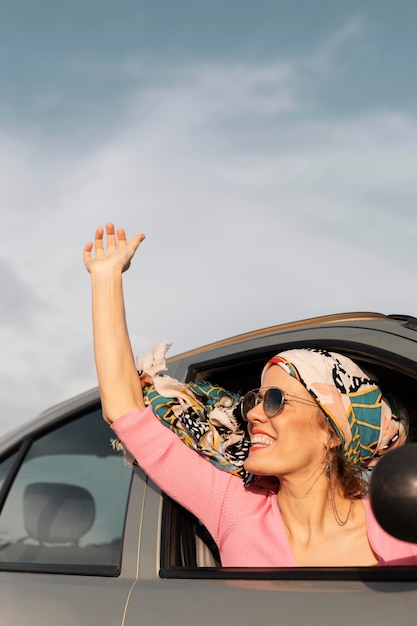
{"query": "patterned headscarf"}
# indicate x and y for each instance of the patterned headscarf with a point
(204, 416)
(368, 423)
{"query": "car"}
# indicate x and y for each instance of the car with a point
(86, 539)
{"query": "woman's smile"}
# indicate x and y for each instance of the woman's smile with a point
(293, 441)
(260, 439)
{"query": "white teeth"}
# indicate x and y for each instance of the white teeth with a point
(261, 440)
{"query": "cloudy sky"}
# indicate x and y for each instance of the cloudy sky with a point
(267, 149)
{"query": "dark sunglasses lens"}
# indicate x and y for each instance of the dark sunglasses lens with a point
(247, 403)
(273, 402)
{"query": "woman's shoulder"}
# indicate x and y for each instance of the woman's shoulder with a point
(256, 499)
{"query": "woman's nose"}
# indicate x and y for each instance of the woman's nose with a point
(257, 414)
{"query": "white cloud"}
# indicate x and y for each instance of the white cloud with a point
(253, 217)
(323, 59)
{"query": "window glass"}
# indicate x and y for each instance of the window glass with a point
(67, 504)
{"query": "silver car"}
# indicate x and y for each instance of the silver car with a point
(86, 540)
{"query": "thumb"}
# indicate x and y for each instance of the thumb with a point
(136, 241)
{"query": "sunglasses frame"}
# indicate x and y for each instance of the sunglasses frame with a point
(260, 399)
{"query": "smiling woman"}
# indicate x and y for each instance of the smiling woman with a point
(318, 421)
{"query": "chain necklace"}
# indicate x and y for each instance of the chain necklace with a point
(339, 520)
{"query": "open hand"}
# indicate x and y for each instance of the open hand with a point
(119, 252)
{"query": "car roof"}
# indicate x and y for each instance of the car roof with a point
(355, 332)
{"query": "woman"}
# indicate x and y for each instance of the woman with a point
(304, 433)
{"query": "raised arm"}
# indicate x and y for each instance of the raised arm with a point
(119, 384)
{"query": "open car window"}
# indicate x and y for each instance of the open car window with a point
(188, 550)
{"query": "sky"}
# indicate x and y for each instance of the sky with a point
(267, 149)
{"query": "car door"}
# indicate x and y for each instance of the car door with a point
(169, 592)
(69, 525)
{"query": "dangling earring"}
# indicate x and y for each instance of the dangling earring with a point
(329, 469)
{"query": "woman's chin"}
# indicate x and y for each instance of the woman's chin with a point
(254, 466)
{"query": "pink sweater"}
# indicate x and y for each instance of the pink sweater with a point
(245, 522)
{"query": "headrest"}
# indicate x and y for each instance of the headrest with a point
(57, 512)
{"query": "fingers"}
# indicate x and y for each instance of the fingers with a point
(87, 253)
(88, 248)
(111, 237)
(114, 241)
(136, 241)
(98, 243)
(121, 236)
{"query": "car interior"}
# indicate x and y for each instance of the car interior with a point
(55, 514)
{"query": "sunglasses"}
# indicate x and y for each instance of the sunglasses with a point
(273, 400)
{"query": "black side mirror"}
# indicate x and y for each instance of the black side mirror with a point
(393, 492)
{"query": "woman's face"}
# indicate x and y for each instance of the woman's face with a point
(293, 443)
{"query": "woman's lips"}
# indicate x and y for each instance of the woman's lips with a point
(259, 439)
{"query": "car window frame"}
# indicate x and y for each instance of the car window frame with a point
(169, 569)
(21, 450)
(193, 369)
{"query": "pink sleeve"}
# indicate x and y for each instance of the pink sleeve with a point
(178, 471)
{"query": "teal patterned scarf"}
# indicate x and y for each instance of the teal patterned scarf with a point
(368, 423)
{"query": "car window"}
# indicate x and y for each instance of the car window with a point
(188, 550)
(67, 503)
